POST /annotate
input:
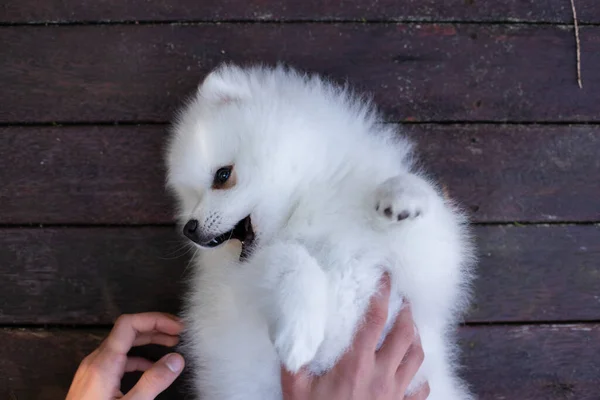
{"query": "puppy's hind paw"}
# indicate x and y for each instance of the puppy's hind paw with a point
(402, 198)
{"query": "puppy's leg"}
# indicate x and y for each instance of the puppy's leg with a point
(403, 197)
(295, 301)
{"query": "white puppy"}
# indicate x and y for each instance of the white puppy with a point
(322, 197)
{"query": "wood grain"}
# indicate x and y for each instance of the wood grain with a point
(516, 173)
(114, 175)
(91, 275)
(39, 364)
(423, 72)
(537, 273)
(83, 175)
(532, 362)
(310, 10)
(535, 362)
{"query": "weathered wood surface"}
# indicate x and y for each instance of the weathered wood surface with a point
(312, 10)
(39, 364)
(114, 175)
(426, 72)
(525, 362)
(83, 175)
(537, 273)
(532, 362)
(516, 173)
(91, 275)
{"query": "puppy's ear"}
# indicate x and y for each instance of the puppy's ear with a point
(223, 85)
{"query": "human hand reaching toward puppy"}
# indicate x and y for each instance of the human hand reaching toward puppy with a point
(363, 372)
(100, 373)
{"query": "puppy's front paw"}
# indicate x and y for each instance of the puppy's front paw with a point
(297, 305)
(403, 197)
(297, 342)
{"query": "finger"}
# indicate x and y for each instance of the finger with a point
(137, 364)
(369, 333)
(420, 394)
(90, 358)
(295, 386)
(410, 365)
(128, 327)
(173, 317)
(156, 379)
(155, 338)
(398, 341)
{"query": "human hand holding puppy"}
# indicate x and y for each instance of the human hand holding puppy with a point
(362, 373)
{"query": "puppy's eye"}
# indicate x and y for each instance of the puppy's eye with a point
(222, 176)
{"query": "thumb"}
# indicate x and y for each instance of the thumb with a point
(295, 386)
(158, 378)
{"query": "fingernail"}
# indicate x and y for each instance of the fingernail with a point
(384, 285)
(385, 280)
(175, 362)
(174, 317)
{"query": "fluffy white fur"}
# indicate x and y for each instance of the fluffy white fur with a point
(316, 170)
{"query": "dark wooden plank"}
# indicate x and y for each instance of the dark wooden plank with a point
(525, 362)
(532, 362)
(91, 275)
(310, 10)
(111, 175)
(114, 175)
(427, 72)
(537, 273)
(40, 364)
(516, 173)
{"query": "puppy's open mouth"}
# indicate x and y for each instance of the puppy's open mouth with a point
(242, 231)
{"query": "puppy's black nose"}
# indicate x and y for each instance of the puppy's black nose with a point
(190, 230)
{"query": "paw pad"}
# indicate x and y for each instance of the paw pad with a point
(402, 199)
(403, 215)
